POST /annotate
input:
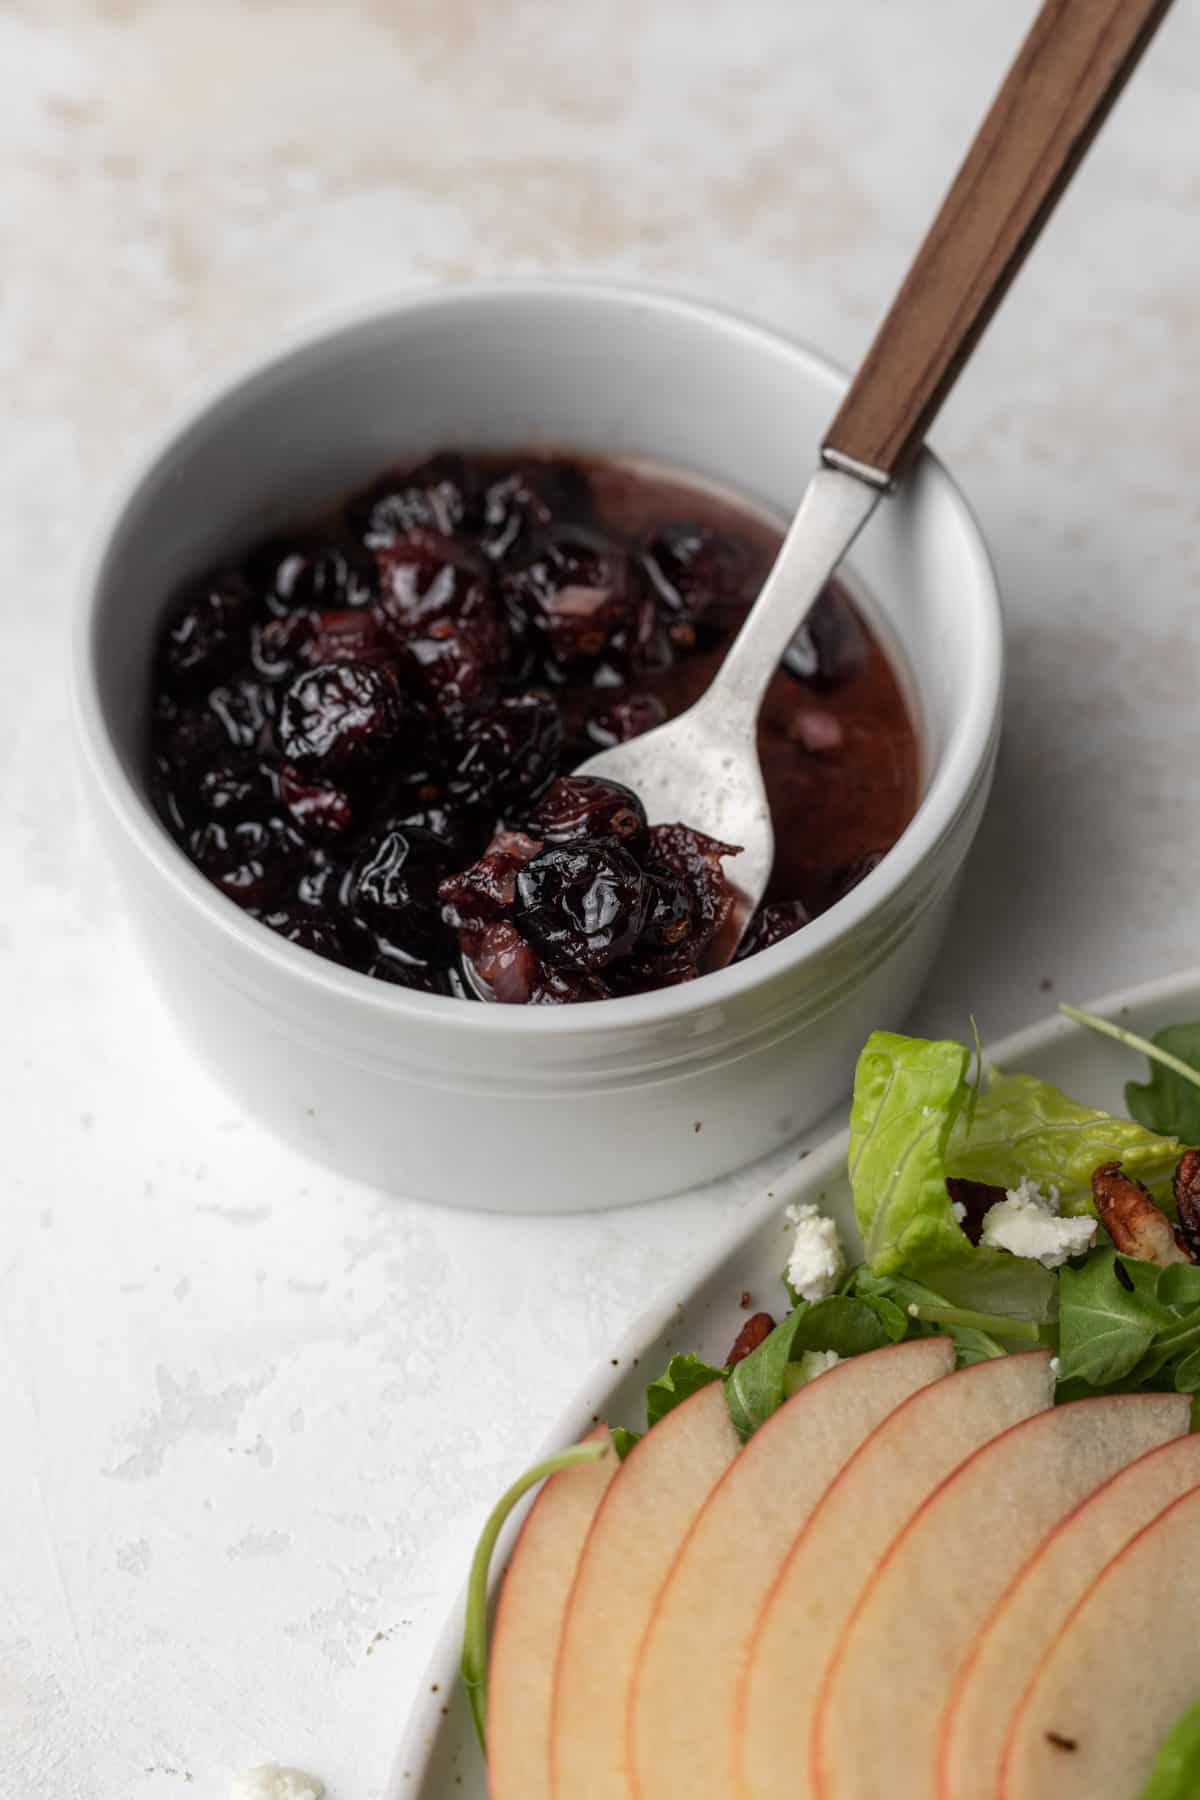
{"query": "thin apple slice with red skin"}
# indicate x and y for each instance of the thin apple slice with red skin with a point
(680, 1716)
(884, 1482)
(641, 1522)
(1123, 1669)
(529, 1620)
(928, 1598)
(1031, 1613)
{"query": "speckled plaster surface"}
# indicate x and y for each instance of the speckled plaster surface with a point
(250, 1414)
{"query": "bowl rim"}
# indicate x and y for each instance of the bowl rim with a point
(955, 778)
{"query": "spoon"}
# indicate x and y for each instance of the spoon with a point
(702, 767)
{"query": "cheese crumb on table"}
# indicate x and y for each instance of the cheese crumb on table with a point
(271, 1782)
(1028, 1223)
(817, 1262)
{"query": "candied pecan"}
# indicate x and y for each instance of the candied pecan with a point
(1133, 1220)
(1187, 1199)
(975, 1197)
(752, 1334)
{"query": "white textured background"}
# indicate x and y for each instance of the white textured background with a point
(249, 1414)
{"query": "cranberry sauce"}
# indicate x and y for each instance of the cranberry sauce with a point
(363, 729)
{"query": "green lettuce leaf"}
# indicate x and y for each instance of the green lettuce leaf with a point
(909, 1094)
(624, 1441)
(1167, 1102)
(682, 1377)
(1027, 1129)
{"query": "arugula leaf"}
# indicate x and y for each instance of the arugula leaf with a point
(1179, 1285)
(754, 1388)
(1168, 1102)
(1176, 1771)
(1107, 1325)
(624, 1441)
(1028, 1129)
(908, 1095)
(473, 1660)
(976, 1335)
(851, 1326)
(682, 1377)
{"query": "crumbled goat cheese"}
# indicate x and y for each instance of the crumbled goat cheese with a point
(270, 1782)
(817, 1262)
(1055, 1367)
(959, 1211)
(1028, 1223)
(811, 1363)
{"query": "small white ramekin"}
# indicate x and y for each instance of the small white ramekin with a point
(511, 1108)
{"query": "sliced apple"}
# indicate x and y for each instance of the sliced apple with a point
(1031, 1613)
(927, 1599)
(680, 1720)
(641, 1522)
(528, 1626)
(900, 1464)
(1123, 1668)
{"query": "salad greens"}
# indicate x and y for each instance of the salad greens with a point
(1115, 1322)
(1176, 1771)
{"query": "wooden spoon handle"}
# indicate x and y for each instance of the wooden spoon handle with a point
(1069, 71)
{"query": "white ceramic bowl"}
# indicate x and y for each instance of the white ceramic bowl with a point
(511, 1108)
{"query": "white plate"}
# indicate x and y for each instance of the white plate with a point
(439, 1757)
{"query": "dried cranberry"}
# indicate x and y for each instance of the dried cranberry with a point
(695, 860)
(831, 645)
(245, 710)
(581, 905)
(696, 575)
(319, 810)
(574, 599)
(250, 860)
(437, 496)
(585, 806)
(317, 577)
(669, 918)
(425, 576)
(205, 629)
(478, 896)
(303, 928)
(626, 718)
(770, 925)
(393, 889)
(534, 495)
(340, 716)
(455, 662)
(508, 752)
